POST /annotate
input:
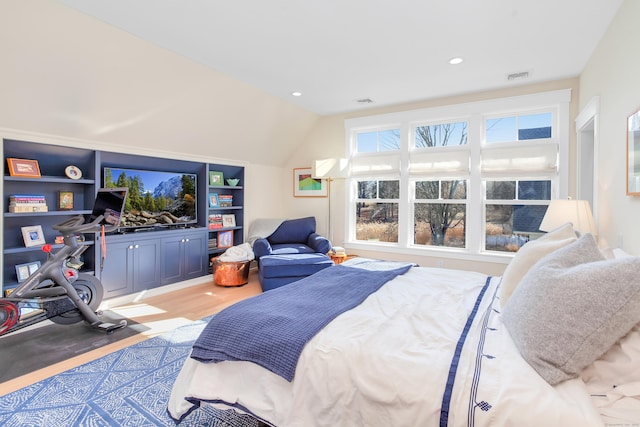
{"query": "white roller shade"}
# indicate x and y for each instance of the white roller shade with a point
(538, 158)
(387, 164)
(455, 162)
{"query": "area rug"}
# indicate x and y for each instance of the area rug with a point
(36, 348)
(129, 387)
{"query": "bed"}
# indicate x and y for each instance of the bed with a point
(438, 347)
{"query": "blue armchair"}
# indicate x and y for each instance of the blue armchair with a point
(293, 251)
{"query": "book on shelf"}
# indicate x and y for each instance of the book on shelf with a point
(27, 198)
(28, 208)
(27, 203)
(215, 221)
(225, 200)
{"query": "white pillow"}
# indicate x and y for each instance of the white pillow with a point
(529, 254)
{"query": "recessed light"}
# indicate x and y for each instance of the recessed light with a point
(456, 61)
(296, 93)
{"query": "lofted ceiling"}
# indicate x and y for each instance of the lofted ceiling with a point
(341, 54)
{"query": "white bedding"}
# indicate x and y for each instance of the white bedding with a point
(387, 362)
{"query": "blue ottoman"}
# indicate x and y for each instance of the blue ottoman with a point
(279, 270)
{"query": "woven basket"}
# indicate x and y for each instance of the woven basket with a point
(230, 273)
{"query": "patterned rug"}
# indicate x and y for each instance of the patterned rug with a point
(129, 388)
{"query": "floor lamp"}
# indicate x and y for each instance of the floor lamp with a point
(329, 169)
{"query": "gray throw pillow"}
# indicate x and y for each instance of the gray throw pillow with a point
(571, 307)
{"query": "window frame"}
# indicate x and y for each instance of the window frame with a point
(476, 113)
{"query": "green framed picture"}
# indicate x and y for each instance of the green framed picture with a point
(216, 178)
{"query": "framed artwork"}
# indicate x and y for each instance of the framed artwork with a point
(213, 200)
(23, 167)
(33, 236)
(225, 239)
(23, 271)
(229, 220)
(304, 185)
(65, 200)
(216, 178)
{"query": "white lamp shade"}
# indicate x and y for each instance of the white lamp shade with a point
(577, 212)
(329, 168)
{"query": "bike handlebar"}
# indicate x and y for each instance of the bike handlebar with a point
(76, 225)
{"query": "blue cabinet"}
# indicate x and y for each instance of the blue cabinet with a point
(135, 261)
(131, 265)
(184, 256)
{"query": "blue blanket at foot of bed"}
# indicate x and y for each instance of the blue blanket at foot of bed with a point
(271, 329)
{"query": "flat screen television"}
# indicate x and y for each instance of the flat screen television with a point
(155, 198)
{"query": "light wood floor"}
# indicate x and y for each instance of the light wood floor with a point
(161, 313)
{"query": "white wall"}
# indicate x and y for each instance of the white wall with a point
(613, 74)
(68, 76)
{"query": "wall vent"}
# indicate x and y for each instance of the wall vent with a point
(521, 75)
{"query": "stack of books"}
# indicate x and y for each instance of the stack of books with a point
(215, 221)
(27, 203)
(212, 244)
(225, 200)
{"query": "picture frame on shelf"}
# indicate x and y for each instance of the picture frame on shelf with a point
(216, 178)
(225, 239)
(23, 167)
(65, 200)
(23, 271)
(33, 236)
(213, 200)
(229, 220)
(305, 185)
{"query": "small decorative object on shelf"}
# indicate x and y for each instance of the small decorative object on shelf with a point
(23, 167)
(73, 172)
(213, 200)
(216, 178)
(23, 271)
(225, 200)
(233, 181)
(229, 220)
(65, 200)
(27, 203)
(33, 236)
(225, 239)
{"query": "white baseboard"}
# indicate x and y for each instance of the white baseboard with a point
(139, 296)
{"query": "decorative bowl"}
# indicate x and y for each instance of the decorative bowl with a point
(233, 181)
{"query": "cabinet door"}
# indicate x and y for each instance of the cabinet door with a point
(195, 255)
(146, 272)
(172, 265)
(116, 276)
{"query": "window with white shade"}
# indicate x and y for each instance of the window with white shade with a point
(469, 178)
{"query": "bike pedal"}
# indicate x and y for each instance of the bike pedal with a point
(109, 327)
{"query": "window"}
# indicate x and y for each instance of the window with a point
(469, 178)
(513, 212)
(519, 128)
(439, 213)
(384, 140)
(376, 210)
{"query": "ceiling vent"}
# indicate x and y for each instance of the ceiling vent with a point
(522, 75)
(364, 101)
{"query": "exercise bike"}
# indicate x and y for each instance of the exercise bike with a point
(57, 290)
